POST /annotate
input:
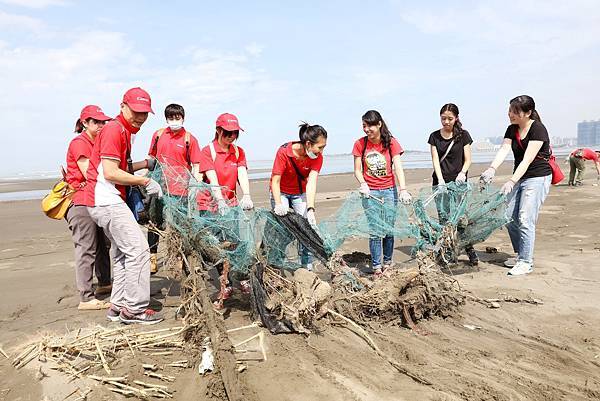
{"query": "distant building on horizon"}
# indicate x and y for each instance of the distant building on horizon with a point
(588, 133)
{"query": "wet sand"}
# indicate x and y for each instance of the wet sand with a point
(518, 352)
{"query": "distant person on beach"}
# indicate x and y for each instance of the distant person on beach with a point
(224, 166)
(110, 174)
(294, 178)
(377, 167)
(178, 152)
(577, 160)
(91, 246)
(451, 157)
(529, 184)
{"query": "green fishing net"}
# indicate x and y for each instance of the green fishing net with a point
(441, 223)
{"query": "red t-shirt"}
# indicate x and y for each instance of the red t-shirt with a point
(111, 143)
(80, 146)
(289, 177)
(225, 164)
(171, 152)
(587, 154)
(377, 163)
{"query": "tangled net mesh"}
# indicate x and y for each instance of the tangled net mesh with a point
(258, 244)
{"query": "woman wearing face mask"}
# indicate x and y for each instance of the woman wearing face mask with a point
(294, 177)
(179, 153)
(376, 162)
(91, 246)
(529, 184)
(451, 158)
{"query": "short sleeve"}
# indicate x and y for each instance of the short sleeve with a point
(241, 162)
(538, 132)
(510, 133)
(78, 149)
(111, 142)
(206, 161)
(432, 140)
(280, 162)
(358, 148)
(395, 148)
(317, 164)
(466, 138)
(152, 150)
(195, 156)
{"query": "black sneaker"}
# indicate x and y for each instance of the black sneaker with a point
(113, 313)
(146, 317)
(473, 258)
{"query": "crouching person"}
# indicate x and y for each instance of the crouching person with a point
(109, 174)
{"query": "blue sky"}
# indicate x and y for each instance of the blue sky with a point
(274, 64)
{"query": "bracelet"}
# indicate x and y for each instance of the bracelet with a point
(310, 208)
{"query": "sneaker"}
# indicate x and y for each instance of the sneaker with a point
(377, 272)
(510, 262)
(153, 263)
(245, 287)
(308, 266)
(473, 258)
(93, 304)
(521, 268)
(113, 313)
(103, 289)
(227, 292)
(146, 317)
(387, 265)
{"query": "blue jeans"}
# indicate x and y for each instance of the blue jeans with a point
(298, 203)
(524, 204)
(381, 220)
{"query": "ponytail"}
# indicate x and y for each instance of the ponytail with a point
(311, 133)
(535, 116)
(372, 117)
(79, 126)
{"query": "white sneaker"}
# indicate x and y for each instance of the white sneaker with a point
(510, 262)
(521, 268)
(308, 267)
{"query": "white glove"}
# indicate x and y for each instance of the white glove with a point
(442, 188)
(310, 216)
(488, 175)
(281, 209)
(222, 207)
(507, 187)
(364, 189)
(246, 203)
(153, 188)
(405, 197)
(461, 178)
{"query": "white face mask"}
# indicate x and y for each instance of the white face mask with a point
(175, 125)
(311, 155)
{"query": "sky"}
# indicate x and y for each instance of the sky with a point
(275, 64)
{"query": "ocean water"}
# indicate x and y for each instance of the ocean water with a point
(261, 169)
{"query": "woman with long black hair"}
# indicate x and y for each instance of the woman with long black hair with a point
(529, 184)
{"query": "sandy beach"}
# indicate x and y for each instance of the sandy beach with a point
(519, 351)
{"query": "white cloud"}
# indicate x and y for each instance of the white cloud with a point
(35, 3)
(19, 22)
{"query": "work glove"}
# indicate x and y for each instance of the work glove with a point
(442, 188)
(487, 176)
(153, 188)
(405, 197)
(461, 178)
(151, 163)
(507, 187)
(281, 209)
(312, 219)
(364, 189)
(222, 207)
(246, 203)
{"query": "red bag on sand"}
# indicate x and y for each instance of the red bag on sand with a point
(557, 174)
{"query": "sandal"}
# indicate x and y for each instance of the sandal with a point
(377, 273)
(94, 304)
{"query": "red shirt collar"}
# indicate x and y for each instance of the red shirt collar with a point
(130, 128)
(175, 133)
(289, 151)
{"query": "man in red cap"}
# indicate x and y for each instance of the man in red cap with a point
(109, 175)
(577, 160)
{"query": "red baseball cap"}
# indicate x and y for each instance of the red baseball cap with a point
(228, 122)
(138, 100)
(95, 112)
